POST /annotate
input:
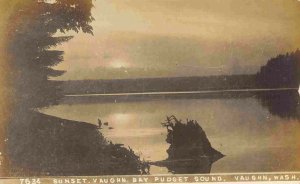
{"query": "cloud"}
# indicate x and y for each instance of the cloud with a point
(175, 38)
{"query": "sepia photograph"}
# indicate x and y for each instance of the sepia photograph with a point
(149, 91)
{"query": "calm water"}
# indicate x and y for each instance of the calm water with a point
(252, 137)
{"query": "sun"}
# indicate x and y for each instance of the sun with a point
(119, 63)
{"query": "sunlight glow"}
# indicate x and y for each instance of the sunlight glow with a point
(118, 63)
(121, 117)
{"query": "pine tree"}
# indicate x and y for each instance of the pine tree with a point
(32, 31)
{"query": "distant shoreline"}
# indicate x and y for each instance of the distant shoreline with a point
(180, 92)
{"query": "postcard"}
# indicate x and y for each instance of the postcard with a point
(144, 91)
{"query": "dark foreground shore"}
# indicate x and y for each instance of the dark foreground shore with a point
(42, 145)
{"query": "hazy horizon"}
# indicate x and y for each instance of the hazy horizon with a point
(146, 39)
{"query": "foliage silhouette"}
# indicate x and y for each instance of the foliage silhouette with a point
(190, 150)
(281, 71)
(32, 30)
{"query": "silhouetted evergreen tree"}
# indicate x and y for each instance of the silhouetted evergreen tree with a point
(32, 30)
(281, 71)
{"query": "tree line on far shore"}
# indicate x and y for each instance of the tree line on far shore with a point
(281, 71)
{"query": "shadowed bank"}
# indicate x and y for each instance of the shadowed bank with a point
(39, 144)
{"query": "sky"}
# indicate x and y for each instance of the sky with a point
(171, 38)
